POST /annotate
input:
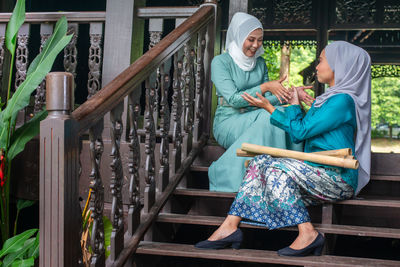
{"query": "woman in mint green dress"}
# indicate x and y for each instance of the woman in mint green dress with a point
(238, 71)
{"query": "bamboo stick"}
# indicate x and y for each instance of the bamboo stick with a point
(246, 163)
(335, 153)
(317, 158)
(340, 153)
(242, 153)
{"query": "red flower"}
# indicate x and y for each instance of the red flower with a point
(2, 179)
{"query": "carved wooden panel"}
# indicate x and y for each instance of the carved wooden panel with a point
(46, 30)
(70, 51)
(283, 12)
(391, 13)
(97, 195)
(116, 183)
(95, 58)
(134, 164)
(355, 11)
(21, 55)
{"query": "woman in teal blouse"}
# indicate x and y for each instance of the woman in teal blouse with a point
(276, 191)
(233, 73)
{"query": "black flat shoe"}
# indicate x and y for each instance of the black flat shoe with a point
(233, 240)
(314, 248)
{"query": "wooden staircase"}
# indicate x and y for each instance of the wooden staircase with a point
(193, 213)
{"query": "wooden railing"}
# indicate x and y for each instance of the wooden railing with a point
(183, 131)
(92, 80)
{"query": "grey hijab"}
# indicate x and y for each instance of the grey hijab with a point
(352, 68)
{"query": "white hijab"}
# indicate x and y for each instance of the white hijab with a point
(241, 26)
(352, 68)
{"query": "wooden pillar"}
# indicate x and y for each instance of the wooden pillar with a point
(238, 6)
(322, 21)
(285, 61)
(120, 48)
(208, 57)
(59, 215)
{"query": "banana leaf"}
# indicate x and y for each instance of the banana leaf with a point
(25, 133)
(24, 263)
(34, 250)
(16, 243)
(16, 20)
(37, 71)
(10, 258)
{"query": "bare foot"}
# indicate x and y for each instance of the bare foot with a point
(303, 240)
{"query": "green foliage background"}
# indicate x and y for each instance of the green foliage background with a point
(385, 98)
(300, 58)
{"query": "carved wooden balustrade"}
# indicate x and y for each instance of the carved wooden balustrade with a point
(76, 20)
(181, 127)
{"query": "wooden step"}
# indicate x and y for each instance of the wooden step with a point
(372, 201)
(256, 256)
(324, 228)
(374, 177)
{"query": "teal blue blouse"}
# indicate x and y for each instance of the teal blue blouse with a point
(330, 126)
(231, 82)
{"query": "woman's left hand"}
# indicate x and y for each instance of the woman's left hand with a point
(260, 102)
(304, 96)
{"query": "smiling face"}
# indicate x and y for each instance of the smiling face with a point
(324, 71)
(253, 42)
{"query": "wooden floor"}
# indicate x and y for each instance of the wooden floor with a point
(257, 256)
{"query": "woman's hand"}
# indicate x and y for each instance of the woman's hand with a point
(260, 102)
(295, 97)
(277, 89)
(304, 96)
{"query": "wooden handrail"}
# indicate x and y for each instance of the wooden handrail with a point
(38, 17)
(114, 92)
(166, 12)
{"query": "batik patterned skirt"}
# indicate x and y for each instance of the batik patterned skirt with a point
(276, 191)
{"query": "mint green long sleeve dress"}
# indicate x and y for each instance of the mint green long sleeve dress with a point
(236, 122)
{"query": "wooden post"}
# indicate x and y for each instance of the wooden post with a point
(323, 8)
(119, 47)
(60, 219)
(208, 57)
(328, 218)
(285, 61)
(238, 6)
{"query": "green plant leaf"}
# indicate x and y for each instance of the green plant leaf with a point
(15, 243)
(85, 221)
(60, 31)
(24, 203)
(24, 263)
(25, 133)
(40, 66)
(16, 20)
(10, 258)
(107, 234)
(34, 250)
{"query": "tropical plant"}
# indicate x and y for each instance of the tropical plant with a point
(12, 140)
(87, 225)
(20, 250)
